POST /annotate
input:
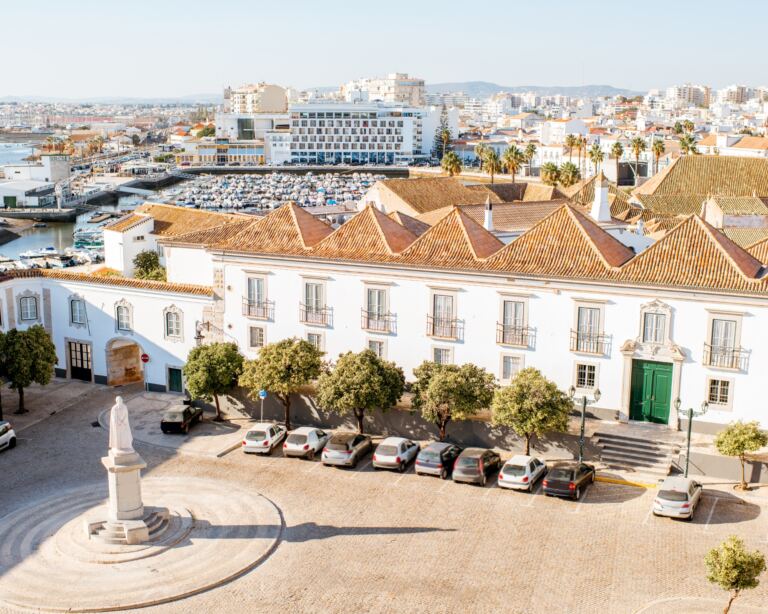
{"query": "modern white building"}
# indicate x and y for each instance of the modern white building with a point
(396, 88)
(554, 131)
(23, 194)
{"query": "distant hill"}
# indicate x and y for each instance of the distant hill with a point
(484, 89)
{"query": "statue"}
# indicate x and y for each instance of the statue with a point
(120, 436)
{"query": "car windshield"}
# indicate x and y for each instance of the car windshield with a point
(673, 495)
(297, 439)
(468, 461)
(561, 473)
(256, 435)
(172, 416)
(386, 450)
(515, 470)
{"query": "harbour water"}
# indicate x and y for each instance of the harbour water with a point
(13, 153)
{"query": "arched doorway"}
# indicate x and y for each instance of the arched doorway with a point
(123, 362)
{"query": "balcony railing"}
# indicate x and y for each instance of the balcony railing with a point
(445, 328)
(378, 322)
(319, 316)
(510, 334)
(725, 357)
(263, 310)
(589, 343)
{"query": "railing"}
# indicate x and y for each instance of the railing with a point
(263, 310)
(589, 343)
(320, 316)
(725, 357)
(445, 328)
(378, 322)
(510, 334)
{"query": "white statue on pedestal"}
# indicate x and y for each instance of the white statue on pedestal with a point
(120, 436)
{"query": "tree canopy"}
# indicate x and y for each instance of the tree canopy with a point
(282, 368)
(451, 163)
(513, 159)
(531, 405)
(146, 265)
(360, 383)
(550, 173)
(569, 174)
(29, 358)
(733, 568)
(450, 392)
(739, 438)
(211, 370)
(492, 162)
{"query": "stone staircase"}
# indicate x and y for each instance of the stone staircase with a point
(157, 521)
(635, 454)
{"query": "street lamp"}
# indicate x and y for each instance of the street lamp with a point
(584, 402)
(691, 415)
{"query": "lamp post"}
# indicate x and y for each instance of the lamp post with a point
(691, 415)
(584, 402)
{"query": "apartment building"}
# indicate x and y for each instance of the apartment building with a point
(397, 88)
(255, 98)
(689, 95)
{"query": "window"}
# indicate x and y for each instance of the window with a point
(377, 347)
(719, 393)
(138, 238)
(77, 311)
(443, 316)
(586, 376)
(256, 290)
(313, 296)
(316, 339)
(123, 315)
(510, 365)
(255, 337)
(514, 314)
(587, 337)
(442, 356)
(512, 329)
(28, 307)
(653, 327)
(172, 324)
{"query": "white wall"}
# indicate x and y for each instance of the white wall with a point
(188, 265)
(120, 248)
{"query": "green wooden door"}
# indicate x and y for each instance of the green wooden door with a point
(175, 383)
(651, 391)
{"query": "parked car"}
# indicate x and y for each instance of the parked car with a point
(345, 449)
(263, 438)
(678, 498)
(7, 435)
(180, 419)
(305, 442)
(567, 479)
(476, 465)
(437, 459)
(395, 453)
(521, 472)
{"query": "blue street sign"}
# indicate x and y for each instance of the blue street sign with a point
(262, 394)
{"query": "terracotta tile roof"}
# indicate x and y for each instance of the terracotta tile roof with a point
(583, 193)
(209, 236)
(675, 204)
(417, 227)
(752, 142)
(456, 241)
(565, 244)
(286, 230)
(741, 205)
(759, 249)
(540, 191)
(746, 237)
(507, 217)
(696, 255)
(369, 235)
(424, 194)
(119, 282)
(171, 220)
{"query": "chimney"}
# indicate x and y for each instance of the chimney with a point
(601, 209)
(488, 220)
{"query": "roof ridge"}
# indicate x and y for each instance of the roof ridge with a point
(582, 220)
(465, 221)
(724, 244)
(381, 220)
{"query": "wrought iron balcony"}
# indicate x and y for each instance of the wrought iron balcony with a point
(725, 357)
(319, 316)
(262, 310)
(510, 334)
(589, 343)
(378, 322)
(445, 328)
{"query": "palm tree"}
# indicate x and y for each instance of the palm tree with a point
(617, 150)
(688, 125)
(569, 174)
(638, 146)
(492, 162)
(530, 152)
(688, 144)
(677, 128)
(550, 174)
(513, 159)
(445, 137)
(658, 149)
(570, 143)
(451, 163)
(480, 150)
(596, 156)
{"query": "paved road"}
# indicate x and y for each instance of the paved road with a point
(384, 542)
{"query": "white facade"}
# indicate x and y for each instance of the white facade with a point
(554, 131)
(121, 247)
(398, 88)
(51, 168)
(27, 194)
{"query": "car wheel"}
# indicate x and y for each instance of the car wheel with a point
(401, 467)
(311, 455)
(484, 480)
(577, 496)
(444, 474)
(186, 429)
(12, 443)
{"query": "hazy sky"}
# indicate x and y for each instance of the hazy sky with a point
(83, 48)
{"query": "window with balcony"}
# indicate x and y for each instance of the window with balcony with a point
(255, 303)
(442, 322)
(588, 337)
(724, 350)
(376, 316)
(512, 329)
(314, 310)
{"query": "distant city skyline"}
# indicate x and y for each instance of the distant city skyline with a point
(175, 48)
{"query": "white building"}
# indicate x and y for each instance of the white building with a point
(397, 88)
(24, 194)
(258, 98)
(50, 168)
(688, 95)
(554, 131)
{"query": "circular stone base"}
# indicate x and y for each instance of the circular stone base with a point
(216, 532)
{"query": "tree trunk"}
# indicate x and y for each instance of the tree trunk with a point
(218, 409)
(286, 401)
(527, 445)
(743, 485)
(442, 425)
(734, 594)
(21, 409)
(360, 415)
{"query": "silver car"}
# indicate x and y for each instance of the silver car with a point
(305, 442)
(678, 498)
(346, 449)
(395, 453)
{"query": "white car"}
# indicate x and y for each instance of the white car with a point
(263, 438)
(305, 442)
(395, 453)
(7, 435)
(678, 498)
(521, 472)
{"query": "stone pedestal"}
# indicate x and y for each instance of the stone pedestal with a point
(124, 477)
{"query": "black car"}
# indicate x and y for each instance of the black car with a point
(437, 459)
(475, 465)
(179, 419)
(568, 479)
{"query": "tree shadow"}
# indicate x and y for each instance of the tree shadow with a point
(719, 507)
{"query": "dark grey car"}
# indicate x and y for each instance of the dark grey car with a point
(437, 459)
(476, 465)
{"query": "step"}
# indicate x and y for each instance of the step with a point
(654, 471)
(636, 440)
(631, 462)
(619, 441)
(634, 452)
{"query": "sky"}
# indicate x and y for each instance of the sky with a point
(168, 48)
